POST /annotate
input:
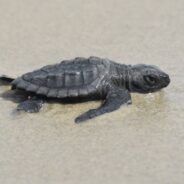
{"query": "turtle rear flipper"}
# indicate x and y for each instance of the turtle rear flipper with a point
(31, 105)
(5, 80)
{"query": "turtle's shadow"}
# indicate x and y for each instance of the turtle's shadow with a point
(18, 96)
(14, 96)
(4, 83)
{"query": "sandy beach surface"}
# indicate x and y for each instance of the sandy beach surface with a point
(139, 144)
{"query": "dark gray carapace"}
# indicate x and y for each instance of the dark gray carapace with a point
(88, 78)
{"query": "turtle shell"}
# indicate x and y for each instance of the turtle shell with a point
(70, 78)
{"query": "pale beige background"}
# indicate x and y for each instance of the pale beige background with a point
(139, 144)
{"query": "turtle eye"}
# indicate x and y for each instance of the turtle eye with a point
(150, 79)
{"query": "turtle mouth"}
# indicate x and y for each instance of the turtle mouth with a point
(166, 81)
(138, 88)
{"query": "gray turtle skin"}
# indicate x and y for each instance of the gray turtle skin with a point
(90, 78)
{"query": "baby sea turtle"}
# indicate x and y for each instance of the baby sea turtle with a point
(90, 78)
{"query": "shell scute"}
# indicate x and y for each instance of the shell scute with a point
(70, 78)
(42, 90)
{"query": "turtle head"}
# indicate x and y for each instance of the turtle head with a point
(147, 78)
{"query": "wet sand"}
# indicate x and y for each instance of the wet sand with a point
(139, 144)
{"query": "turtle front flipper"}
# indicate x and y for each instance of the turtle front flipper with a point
(31, 105)
(114, 99)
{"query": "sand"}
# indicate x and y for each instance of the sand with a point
(139, 144)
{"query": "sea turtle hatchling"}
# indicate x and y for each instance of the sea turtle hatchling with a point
(90, 78)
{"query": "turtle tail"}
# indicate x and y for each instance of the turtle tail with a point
(5, 79)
